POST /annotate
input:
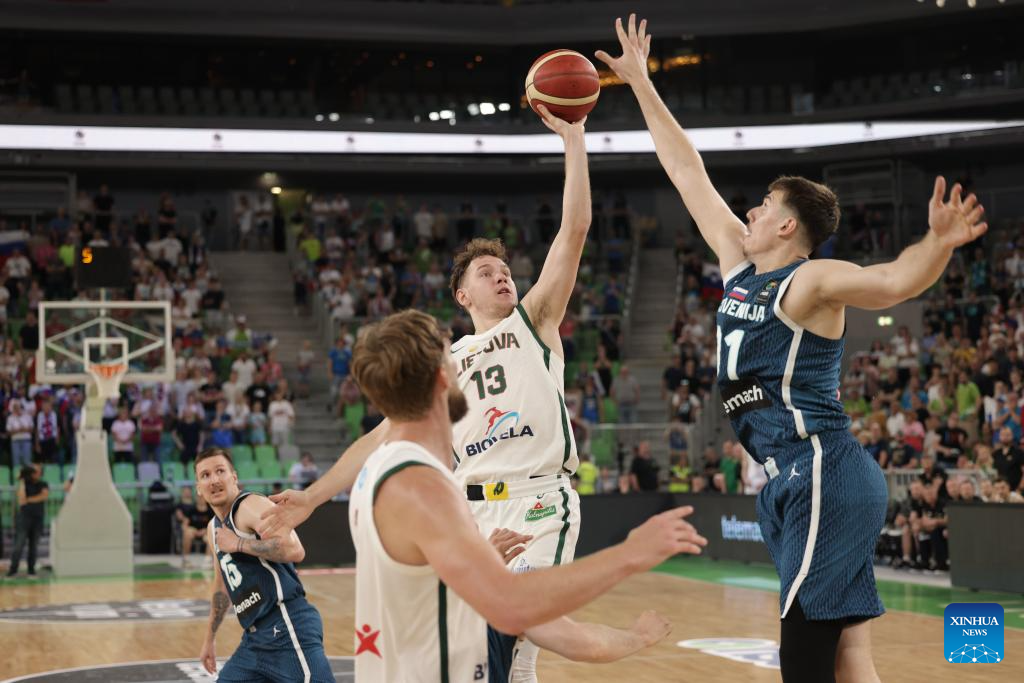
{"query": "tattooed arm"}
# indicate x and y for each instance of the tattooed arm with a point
(220, 603)
(281, 546)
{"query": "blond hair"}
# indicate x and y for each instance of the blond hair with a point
(395, 363)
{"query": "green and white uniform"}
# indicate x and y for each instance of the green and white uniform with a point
(515, 450)
(409, 626)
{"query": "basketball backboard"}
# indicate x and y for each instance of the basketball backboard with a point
(76, 334)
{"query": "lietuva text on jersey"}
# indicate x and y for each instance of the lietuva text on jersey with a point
(779, 382)
(517, 425)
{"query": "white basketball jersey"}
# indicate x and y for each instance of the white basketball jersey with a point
(517, 425)
(409, 626)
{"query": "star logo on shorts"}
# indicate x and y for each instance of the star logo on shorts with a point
(367, 642)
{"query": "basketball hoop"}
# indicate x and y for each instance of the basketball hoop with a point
(107, 377)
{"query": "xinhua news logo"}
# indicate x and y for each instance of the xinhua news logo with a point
(974, 633)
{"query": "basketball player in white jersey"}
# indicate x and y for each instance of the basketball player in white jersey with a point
(515, 450)
(426, 580)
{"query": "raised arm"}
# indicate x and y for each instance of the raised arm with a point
(951, 224)
(546, 301)
(220, 603)
(294, 507)
(419, 508)
(719, 227)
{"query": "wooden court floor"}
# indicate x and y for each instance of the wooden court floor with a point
(907, 647)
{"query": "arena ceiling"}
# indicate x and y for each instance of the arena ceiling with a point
(495, 22)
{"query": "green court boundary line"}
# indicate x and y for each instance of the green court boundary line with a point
(671, 568)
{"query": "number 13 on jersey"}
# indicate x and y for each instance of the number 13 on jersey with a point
(732, 341)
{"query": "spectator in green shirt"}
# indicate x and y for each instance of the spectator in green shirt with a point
(855, 405)
(310, 246)
(586, 476)
(968, 397)
(679, 475)
(730, 467)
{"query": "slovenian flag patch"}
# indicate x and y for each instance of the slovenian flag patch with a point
(738, 293)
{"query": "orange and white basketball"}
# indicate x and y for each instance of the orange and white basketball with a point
(565, 82)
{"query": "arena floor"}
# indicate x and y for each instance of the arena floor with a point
(714, 606)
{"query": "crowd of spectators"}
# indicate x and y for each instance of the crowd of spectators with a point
(229, 387)
(362, 262)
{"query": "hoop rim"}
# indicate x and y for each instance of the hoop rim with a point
(107, 370)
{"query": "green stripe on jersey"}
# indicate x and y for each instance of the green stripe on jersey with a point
(565, 432)
(565, 528)
(394, 470)
(533, 331)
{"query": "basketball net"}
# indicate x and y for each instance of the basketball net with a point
(107, 377)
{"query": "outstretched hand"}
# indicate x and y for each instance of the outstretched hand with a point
(293, 507)
(631, 66)
(957, 221)
(557, 125)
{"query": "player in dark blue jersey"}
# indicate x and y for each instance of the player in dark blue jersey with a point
(781, 327)
(283, 639)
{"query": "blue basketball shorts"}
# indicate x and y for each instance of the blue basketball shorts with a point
(281, 650)
(821, 513)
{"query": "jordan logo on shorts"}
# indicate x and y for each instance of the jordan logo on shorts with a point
(793, 473)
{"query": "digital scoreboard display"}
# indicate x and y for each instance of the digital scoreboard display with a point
(97, 267)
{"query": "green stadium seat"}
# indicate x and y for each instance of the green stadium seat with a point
(247, 470)
(174, 471)
(611, 411)
(354, 418)
(572, 368)
(5, 475)
(51, 475)
(602, 447)
(124, 473)
(265, 455)
(241, 453)
(272, 470)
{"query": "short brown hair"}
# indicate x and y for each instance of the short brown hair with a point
(815, 205)
(212, 452)
(474, 250)
(395, 363)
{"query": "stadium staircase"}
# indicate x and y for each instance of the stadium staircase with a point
(650, 350)
(259, 286)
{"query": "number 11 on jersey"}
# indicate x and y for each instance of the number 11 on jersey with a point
(732, 341)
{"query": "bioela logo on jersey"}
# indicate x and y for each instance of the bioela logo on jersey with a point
(501, 425)
(973, 633)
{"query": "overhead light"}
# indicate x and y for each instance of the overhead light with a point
(473, 108)
(433, 116)
(487, 108)
(318, 118)
(275, 190)
(334, 116)
(369, 119)
(446, 114)
(504, 106)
